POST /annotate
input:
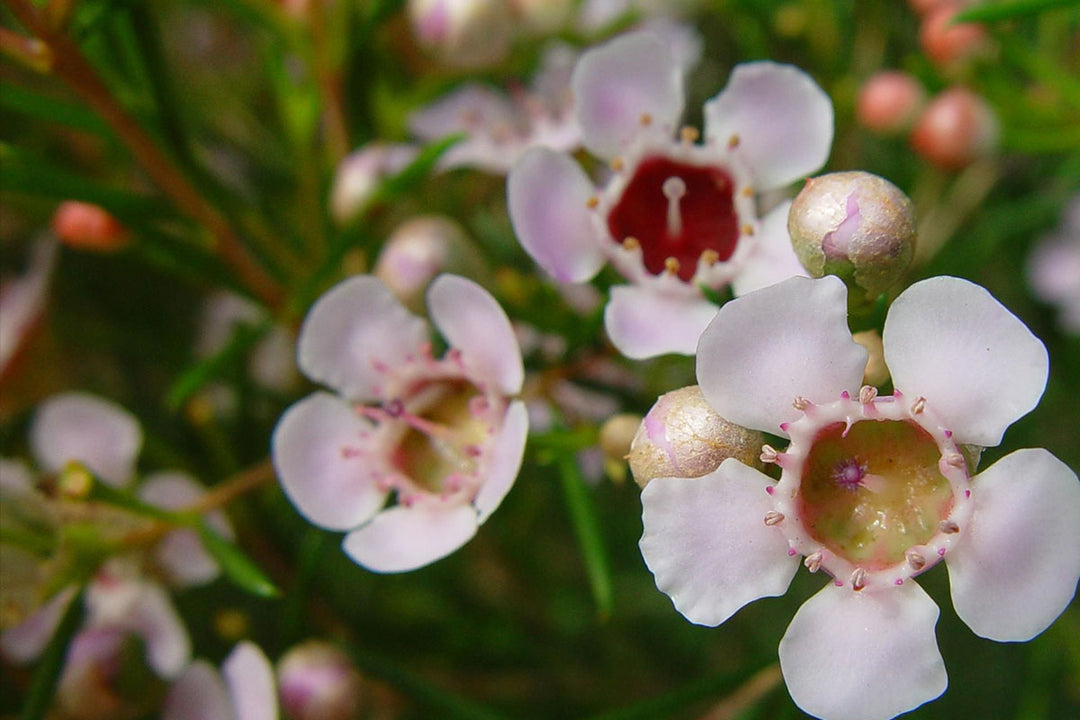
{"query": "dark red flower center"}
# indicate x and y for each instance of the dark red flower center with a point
(679, 211)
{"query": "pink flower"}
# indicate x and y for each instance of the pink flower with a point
(243, 690)
(1053, 268)
(874, 490)
(440, 436)
(675, 214)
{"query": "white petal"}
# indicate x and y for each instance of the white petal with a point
(98, 433)
(144, 608)
(402, 539)
(707, 544)
(470, 109)
(506, 454)
(546, 195)
(312, 450)
(23, 299)
(354, 329)
(1015, 570)
(783, 120)
(643, 323)
(198, 694)
(472, 322)
(764, 349)
(25, 641)
(863, 656)
(250, 679)
(180, 554)
(950, 341)
(617, 83)
(772, 258)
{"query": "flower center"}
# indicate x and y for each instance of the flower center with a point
(677, 211)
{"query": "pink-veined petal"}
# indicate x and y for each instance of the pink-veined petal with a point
(250, 679)
(355, 331)
(773, 258)
(318, 452)
(547, 194)
(783, 121)
(198, 694)
(863, 656)
(474, 323)
(505, 462)
(642, 323)
(406, 538)
(707, 544)
(618, 83)
(952, 342)
(786, 340)
(25, 641)
(78, 426)
(1015, 570)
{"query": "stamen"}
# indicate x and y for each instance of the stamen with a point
(918, 406)
(769, 454)
(671, 266)
(813, 561)
(773, 518)
(689, 134)
(733, 141)
(867, 394)
(617, 164)
(592, 202)
(948, 527)
(674, 189)
(710, 257)
(800, 403)
(646, 119)
(748, 229)
(858, 579)
(915, 560)
(956, 460)
(631, 243)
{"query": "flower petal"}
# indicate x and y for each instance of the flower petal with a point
(783, 121)
(406, 538)
(353, 332)
(643, 323)
(1016, 569)
(772, 258)
(315, 450)
(764, 349)
(619, 82)
(863, 656)
(78, 426)
(505, 462)
(25, 641)
(473, 323)
(144, 608)
(198, 694)
(546, 194)
(706, 543)
(950, 341)
(250, 679)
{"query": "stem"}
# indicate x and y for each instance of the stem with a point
(230, 489)
(71, 66)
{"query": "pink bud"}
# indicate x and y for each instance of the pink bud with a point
(317, 682)
(889, 102)
(88, 227)
(945, 42)
(957, 128)
(463, 33)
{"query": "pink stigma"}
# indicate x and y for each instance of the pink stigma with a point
(849, 474)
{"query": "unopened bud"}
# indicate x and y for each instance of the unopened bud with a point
(682, 436)
(956, 129)
(889, 102)
(463, 33)
(946, 42)
(420, 249)
(855, 225)
(316, 681)
(359, 174)
(84, 226)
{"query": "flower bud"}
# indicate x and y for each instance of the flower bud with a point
(946, 42)
(463, 33)
(85, 226)
(956, 129)
(316, 681)
(420, 249)
(682, 436)
(359, 174)
(889, 102)
(855, 225)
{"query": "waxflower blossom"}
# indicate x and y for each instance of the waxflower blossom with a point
(438, 435)
(675, 214)
(874, 489)
(244, 689)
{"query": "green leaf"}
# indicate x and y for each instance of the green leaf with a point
(213, 367)
(43, 684)
(587, 531)
(244, 573)
(1011, 9)
(41, 107)
(104, 493)
(412, 174)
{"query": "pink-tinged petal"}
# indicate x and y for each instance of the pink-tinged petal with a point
(863, 656)
(468, 109)
(1016, 568)
(768, 347)
(198, 694)
(707, 544)
(620, 82)
(23, 299)
(24, 642)
(642, 323)
(353, 333)
(318, 452)
(473, 323)
(547, 195)
(406, 538)
(250, 679)
(505, 461)
(180, 554)
(950, 341)
(782, 119)
(773, 258)
(98, 433)
(144, 608)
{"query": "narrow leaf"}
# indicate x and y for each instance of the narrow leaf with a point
(587, 531)
(235, 564)
(213, 367)
(47, 674)
(1009, 10)
(411, 175)
(41, 107)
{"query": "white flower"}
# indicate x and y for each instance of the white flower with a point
(874, 490)
(675, 215)
(243, 690)
(440, 435)
(1053, 269)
